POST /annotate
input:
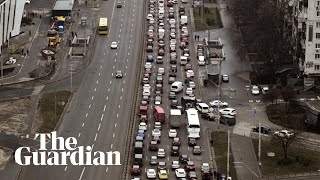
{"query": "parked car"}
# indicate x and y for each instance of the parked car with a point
(218, 103)
(228, 111)
(196, 150)
(283, 133)
(255, 90)
(225, 78)
(264, 129)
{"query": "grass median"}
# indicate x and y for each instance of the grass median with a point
(302, 161)
(51, 107)
(209, 19)
(220, 145)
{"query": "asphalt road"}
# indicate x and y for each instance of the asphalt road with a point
(99, 113)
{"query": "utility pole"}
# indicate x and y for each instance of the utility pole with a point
(228, 158)
(1, 70)
(219, 90)
(70, 69)
(259, 148)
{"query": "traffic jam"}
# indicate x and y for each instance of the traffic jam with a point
(167, 142)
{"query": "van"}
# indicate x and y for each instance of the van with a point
(183, 60)
(176, 86)
(159, 114)
(201, 61)
(202, 107)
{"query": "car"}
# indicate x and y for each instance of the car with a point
(135, 170)
(149, 49)
(119, 4)
(264, 129)
(159, 87)
(149, 58)
(119, 74)
(283, 133)
(225, 78)
(228, 111)
(210, 116)
(162, 166)
(149, 16)
(175, 151)
(190, 166)
(255, 90)
(196, 150)
(145, 80)
(218, 103)
(173, 49)
(143, 126)
(265, 90)
(175, 165)
(159, 60)
(172, 133)
(189, 91)
(190, 73)
(192, 175)
(157, 125)
(153, 160)
(174, 104)
(11, 61)
(153, 146)
(183, 159)
(147, 86)
(192, 84)
(151, 174)
(161, 71)
(172, 95)
(156, 132)
(162, 174)
(180, 173)
(228, 120)
(172, 21)
(161, 153)
(157, 100)
(141, 133)
(192, 142)
(205, 167)
(27, 1)
(148, 65)
(188, 67)
(171, 80)
(114, 45)
(146, 92)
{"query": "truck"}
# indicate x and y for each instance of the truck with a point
(175, 118)
(183, 20)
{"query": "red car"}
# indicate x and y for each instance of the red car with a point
(188, 67)
(161, 52)
(169, 4)
(172, 49)
(135, 170)
(185, 39)
(190, 166)
(151, 36)
(147, 71)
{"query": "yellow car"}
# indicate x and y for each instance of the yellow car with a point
(163, 174)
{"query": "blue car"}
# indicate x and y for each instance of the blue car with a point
(149, 58)
(141, 133)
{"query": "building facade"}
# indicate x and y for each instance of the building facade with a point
(11, 12)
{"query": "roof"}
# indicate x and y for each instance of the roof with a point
(159, 109)
(63, 5)
(175, 112)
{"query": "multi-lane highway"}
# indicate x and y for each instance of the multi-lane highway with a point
(100, 110)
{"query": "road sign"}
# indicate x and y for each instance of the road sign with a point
(211, 109)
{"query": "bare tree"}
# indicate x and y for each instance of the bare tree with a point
(288, 94)
(272, 96)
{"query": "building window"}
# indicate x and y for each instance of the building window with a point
(310, 33)
(318, 3)
(318, 24)
(317, 56)
(317, 67)
(318, 35)
(318, 13)
(317, 46)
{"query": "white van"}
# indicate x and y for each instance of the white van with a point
(202, 107)
(176, 86)
(183, 60)
(201, 61)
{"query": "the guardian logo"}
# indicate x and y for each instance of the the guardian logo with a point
(64, 152)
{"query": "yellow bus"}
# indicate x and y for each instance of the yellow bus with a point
(103, 26)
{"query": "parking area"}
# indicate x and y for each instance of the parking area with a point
(169, 82)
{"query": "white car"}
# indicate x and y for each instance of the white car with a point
(225, 78)
(171, 10)
(283, 133)
(156, 132)
(148, 65)
(228, 111)
(161, 71)
(175, 164)
(149, 16)
(28, 1)
(192, 84)
(11, 61)
(151, 174)
(173, 133)
(180, 173)
(189, 91)
(157, 125)
(146, 86)
(218, 103)
(255, 90)
(184, 28)
(114, 45)
(172, 21)
(265, 90)
(146, 92)
(190, 73)
(205, 167)
(143, 126)
(161, 153)
(184, 1)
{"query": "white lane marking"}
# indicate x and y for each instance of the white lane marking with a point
(107, 98)
(79, 134)
(99, 74)
(131, 24)
(92, 147)
(133, 19)
(112, 74)
(120, 30)
(113, 67)
(104, 53)
(82, 124)
(121, 19)
(129, 47)
(82, 173)
(119, 106)
(116, 53)
(111, 146)
(99, 127)
(113, 134)
(110, 81)
(92, 97)
(133, 15)
(101, 67)
(115, 60)
(89, 106)
(131, 30)
(107, 169)
(130, 35)
(102, 115)
(104, 108)
(120, 97)
(95, 89)
(124, 81)
(126, 67)
(130, 41)
(133, 9)
(65, 169)
(128, 53)
(108, 89)
(86, 114)
(119, 35)
(117, 115)
(115, 125)
(97, 82)
(95, 138)
(122, 89)
(121, 25)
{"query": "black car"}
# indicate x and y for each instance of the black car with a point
(119, 4)
(175, 151)
(174, 104)
(264, 129)
(183, 159)
(210, 116)
(192, 142)
(228, 120)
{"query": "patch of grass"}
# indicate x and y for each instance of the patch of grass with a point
(51, 107)
(220, 144)
(291, 118)
(211, 18)
(302, 161)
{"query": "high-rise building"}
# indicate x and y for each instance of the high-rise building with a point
(11, 12)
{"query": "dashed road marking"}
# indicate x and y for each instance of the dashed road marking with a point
(102, 115)
(108, 89)
(120, 97)
(115, 60)
(99, 74)
(117, 115)
(86, 114)
(107, 169)
(113, 67)
(79, 134)
(115, 125)
(95, 138)
(122, 89)
(92, 97)
(95, 89)
(113, 134)
(119, 106)
(111, 146)
(104, 108)
(82, 124)
(110, 81)
(89, 106)
(97, 82)
(107, 98)
(84, 168)
(99, 126)
(65, 169)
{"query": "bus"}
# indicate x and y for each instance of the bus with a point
(103, 26)
(193, 125)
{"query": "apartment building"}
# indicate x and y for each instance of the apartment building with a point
(11, 12)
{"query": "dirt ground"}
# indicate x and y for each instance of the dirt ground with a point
(5, 155)
(13, 116)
